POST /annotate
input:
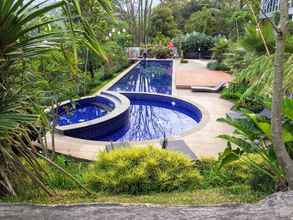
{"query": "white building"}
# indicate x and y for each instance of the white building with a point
(270, 6)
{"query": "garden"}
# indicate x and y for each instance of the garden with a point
(53, 51)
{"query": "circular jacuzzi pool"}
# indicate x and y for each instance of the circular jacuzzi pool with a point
(150, 116)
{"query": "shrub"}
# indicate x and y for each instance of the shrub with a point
(159, 52)
(217, 66)
(195, 42)
(220, 48)
(235, 173)
(142, 170)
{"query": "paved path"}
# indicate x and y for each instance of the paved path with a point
(278, 206)
(195, 73)
(205, 142)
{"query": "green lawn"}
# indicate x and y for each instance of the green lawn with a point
(239, 194)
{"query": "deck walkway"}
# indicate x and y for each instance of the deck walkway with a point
(204, 143)
(195, 73)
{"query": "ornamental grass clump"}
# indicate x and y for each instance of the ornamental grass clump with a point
(141, 171)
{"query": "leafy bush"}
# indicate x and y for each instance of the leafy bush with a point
(195, 42)
(259, 76)
(159, 52)
(253, 41)
(253, 136)
(234, 90)
(217, 66)
(235, 174)
(142, 170)
(220, 48)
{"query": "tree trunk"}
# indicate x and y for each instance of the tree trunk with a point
(283, 157)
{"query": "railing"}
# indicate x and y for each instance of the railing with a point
(268, 7)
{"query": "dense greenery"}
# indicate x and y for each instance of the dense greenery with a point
(142, 170)
(37, 47)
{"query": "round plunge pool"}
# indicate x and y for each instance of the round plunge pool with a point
(150, 116)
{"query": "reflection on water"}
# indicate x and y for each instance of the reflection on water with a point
(153, 121)
(147, 76)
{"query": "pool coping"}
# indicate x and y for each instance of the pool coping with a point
(96, 146)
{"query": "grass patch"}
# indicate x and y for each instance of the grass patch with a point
(233, 194)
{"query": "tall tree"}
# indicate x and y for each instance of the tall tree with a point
(137, 14)
(162, 22)
(281, 30)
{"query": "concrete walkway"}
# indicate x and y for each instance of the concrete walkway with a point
(195, 73)
(204, 143)
(276, 207)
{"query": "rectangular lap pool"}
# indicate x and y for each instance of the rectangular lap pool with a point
(147, 76)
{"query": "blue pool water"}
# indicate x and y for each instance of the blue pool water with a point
(80, 114)
(147, 76)
(154, 120)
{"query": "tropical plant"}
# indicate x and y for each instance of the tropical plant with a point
(259, 76)
(252, 39)
(142, 170)
(20, 40)
(253, 135)
(220, 48)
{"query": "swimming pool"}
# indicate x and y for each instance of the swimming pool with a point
(150, 112)
(147, 76)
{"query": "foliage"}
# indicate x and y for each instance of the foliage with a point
(237, 58)
(162, 22)
(202, 21)
(259, 76)
(195, 41)
(56, 179)
(217, 66)
(142, 170)
(26, 34)
(253, 41)
(220, 48)
(236, 173)
(160, 52)
(253, 135)
(160, 39)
